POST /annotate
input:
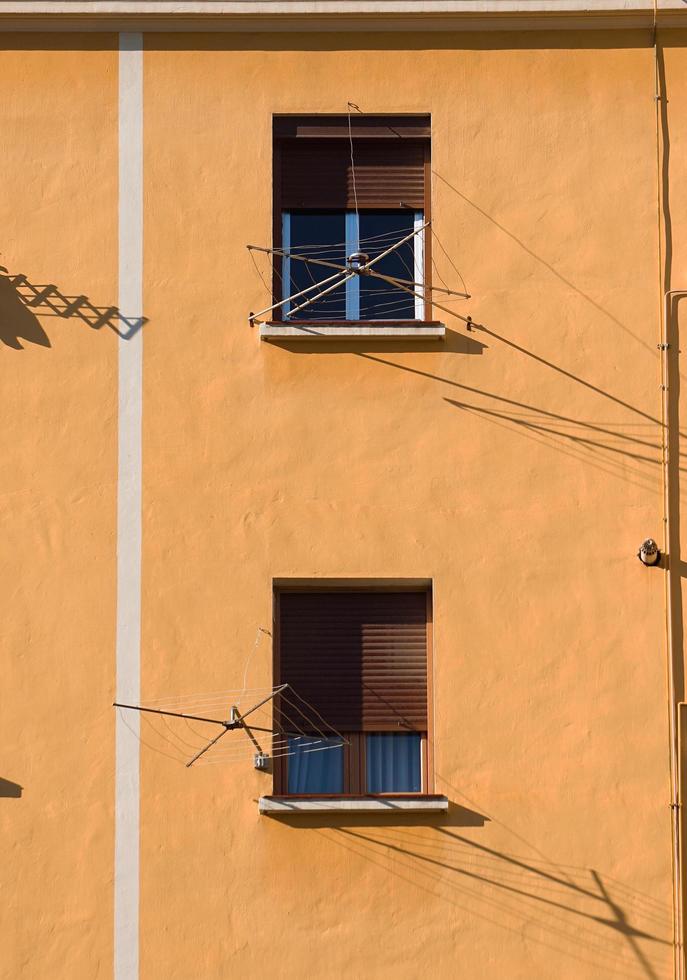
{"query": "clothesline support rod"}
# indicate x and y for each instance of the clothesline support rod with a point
(277, 690)
(324, 292)
(446, 309)
(173, 714)
(308, 289)
(209, 745)
(299, 258)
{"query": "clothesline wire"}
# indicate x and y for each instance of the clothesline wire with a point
(382, 237)
(287, 717)
(286, 745)
(211, 694)
(350, 140)
(259, 633)
(243, 751)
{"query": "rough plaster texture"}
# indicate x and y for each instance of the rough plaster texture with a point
(530, 446)
(59, 477)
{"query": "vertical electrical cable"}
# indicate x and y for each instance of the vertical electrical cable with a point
(352, 105)
(663, 313)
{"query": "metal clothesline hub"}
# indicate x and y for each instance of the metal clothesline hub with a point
(357, 261)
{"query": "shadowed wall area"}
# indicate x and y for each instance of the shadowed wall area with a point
(10, 790)
(18, 324)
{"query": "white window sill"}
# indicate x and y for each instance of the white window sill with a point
(286, 806)
(350, 329)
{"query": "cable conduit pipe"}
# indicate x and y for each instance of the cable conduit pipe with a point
(675, 706)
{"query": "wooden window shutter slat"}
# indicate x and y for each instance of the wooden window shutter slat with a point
(317, 173)
(359, 658)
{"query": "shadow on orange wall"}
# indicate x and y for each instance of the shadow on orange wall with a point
(552, 269)
(453, 343)
(21, 300)
(579, 912)
(458, 816)
(18, 323)
(10, 790)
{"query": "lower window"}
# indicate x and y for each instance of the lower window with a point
(357, 661)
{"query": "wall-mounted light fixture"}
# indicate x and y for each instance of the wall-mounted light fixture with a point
(648, 552)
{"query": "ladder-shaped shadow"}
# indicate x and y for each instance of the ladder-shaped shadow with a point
(22, 302)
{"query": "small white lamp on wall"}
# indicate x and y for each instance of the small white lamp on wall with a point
(649, 553)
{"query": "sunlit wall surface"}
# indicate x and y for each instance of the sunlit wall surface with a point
(516, 465)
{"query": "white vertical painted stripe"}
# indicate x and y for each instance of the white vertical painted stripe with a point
(128, 651)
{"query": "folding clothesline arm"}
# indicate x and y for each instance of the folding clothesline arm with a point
(277, 690)
(298, 258)
(172, 714)
(333, 265)
(178, 714)
(422, 285)
(392, 248)
(208, 746)
(324, 292)
(431, 302)
(308, 289)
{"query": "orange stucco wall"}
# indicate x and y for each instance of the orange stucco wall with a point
(59, 478)
(516, 466)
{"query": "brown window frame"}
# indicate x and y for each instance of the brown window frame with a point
(376, 127)
(354, 751)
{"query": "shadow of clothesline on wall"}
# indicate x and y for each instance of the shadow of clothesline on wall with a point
(579, 912)
(21, 300)
(610, 317)
(629, 449)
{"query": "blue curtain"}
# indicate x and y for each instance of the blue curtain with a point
(318, 771)
(393, 762)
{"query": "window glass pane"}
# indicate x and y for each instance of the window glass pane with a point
(379, 230)
(316, 236)
(315, 765)
(392, 762)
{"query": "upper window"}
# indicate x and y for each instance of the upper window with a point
(358, 661)
(352, 198)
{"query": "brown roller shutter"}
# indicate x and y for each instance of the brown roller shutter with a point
(317, 173)
(358, 658)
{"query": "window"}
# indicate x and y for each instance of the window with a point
(358, 660)
(323, 216)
